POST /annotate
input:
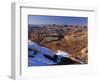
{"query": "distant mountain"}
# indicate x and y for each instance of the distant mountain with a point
(54, 28)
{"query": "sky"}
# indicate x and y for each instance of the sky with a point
(43, 19)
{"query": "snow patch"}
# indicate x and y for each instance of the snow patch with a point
(62, 53)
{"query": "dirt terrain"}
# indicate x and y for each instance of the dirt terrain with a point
(69, 38)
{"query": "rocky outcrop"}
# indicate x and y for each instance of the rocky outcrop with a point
(71, 39)
(84, 55)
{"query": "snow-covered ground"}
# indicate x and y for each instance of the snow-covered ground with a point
(62, 53)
